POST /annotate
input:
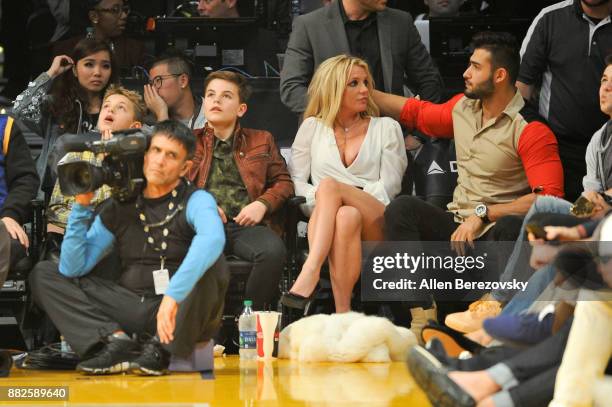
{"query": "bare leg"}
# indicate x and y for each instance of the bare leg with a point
(331, 195)
(345, 256)
(320, 233)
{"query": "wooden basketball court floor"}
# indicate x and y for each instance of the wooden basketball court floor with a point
(236, 383)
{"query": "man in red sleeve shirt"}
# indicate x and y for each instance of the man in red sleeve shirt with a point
(505, 155)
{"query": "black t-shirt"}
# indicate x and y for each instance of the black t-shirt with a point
(563, 53)
(363, 42)
(138, 258)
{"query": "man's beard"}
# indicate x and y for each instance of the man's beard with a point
(481, 91)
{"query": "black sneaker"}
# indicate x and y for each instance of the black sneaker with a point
(114, 357)
(153, 361)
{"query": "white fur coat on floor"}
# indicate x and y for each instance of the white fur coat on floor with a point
(348, 337)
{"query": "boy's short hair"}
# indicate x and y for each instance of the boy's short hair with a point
(608, 60)
(244, 89)
(140, 109)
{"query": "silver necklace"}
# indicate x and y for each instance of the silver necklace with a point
(347, 129)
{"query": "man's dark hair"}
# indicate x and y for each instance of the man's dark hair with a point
(608, 60)
(177, 62)
(176, 130)
(504, 51)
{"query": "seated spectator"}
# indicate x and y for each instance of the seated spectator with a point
(349, 164)
(504, 376)
(359, 28)
(566, 78)
(243, 169)
(66, 99)
(18, 186)
(173, 275)
(595, 183)
(495, 178)
(109, 19)
(121, 109)
(440, 8)
(168, 94)
(218, 8)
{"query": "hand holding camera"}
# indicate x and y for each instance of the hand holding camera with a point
(121, 168)
(84, 199)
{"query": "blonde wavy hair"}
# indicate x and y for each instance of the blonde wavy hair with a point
(327, 88)
(140, 109)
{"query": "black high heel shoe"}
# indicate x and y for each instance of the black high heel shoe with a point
(296, 301)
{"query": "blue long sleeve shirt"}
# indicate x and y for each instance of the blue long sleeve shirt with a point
(84, 246)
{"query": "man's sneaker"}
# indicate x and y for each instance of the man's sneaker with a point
(153, 361)
(471, 320)
(114, 357)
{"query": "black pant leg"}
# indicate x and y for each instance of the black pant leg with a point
(506, 229)
(536, 391)
(485, 359)
(87, 309)
(266, 250)
(411, 219)
(541, 357)
(199, 315)
(18, 252)
(5, 252)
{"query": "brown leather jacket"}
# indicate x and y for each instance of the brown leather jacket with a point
(259, 162)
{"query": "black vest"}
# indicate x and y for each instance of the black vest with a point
(138, 258)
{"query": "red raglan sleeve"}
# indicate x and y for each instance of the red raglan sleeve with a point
(539, 152)
(432, 119)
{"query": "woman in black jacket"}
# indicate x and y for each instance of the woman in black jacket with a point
(66, 99)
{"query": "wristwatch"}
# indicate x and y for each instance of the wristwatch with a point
(482, 212)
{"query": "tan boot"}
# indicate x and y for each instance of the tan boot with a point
(420, 317)
(471, 320)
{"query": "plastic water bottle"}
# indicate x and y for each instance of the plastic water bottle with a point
(247, 328)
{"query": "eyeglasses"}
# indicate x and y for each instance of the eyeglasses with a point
(116, 9)
(158, 81)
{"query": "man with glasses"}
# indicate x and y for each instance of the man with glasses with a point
(168, 94)
(108, 19)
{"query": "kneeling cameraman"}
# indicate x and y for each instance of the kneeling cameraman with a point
(170, 241)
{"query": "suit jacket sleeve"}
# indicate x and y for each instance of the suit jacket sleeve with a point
(419, 68)
(298, 68)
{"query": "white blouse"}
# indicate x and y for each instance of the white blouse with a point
(378, 168)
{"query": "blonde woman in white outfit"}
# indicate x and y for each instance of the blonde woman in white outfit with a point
(349, 164)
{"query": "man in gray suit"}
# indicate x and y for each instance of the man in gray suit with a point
(386, 38)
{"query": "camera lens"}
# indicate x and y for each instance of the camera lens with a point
(82, 179)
